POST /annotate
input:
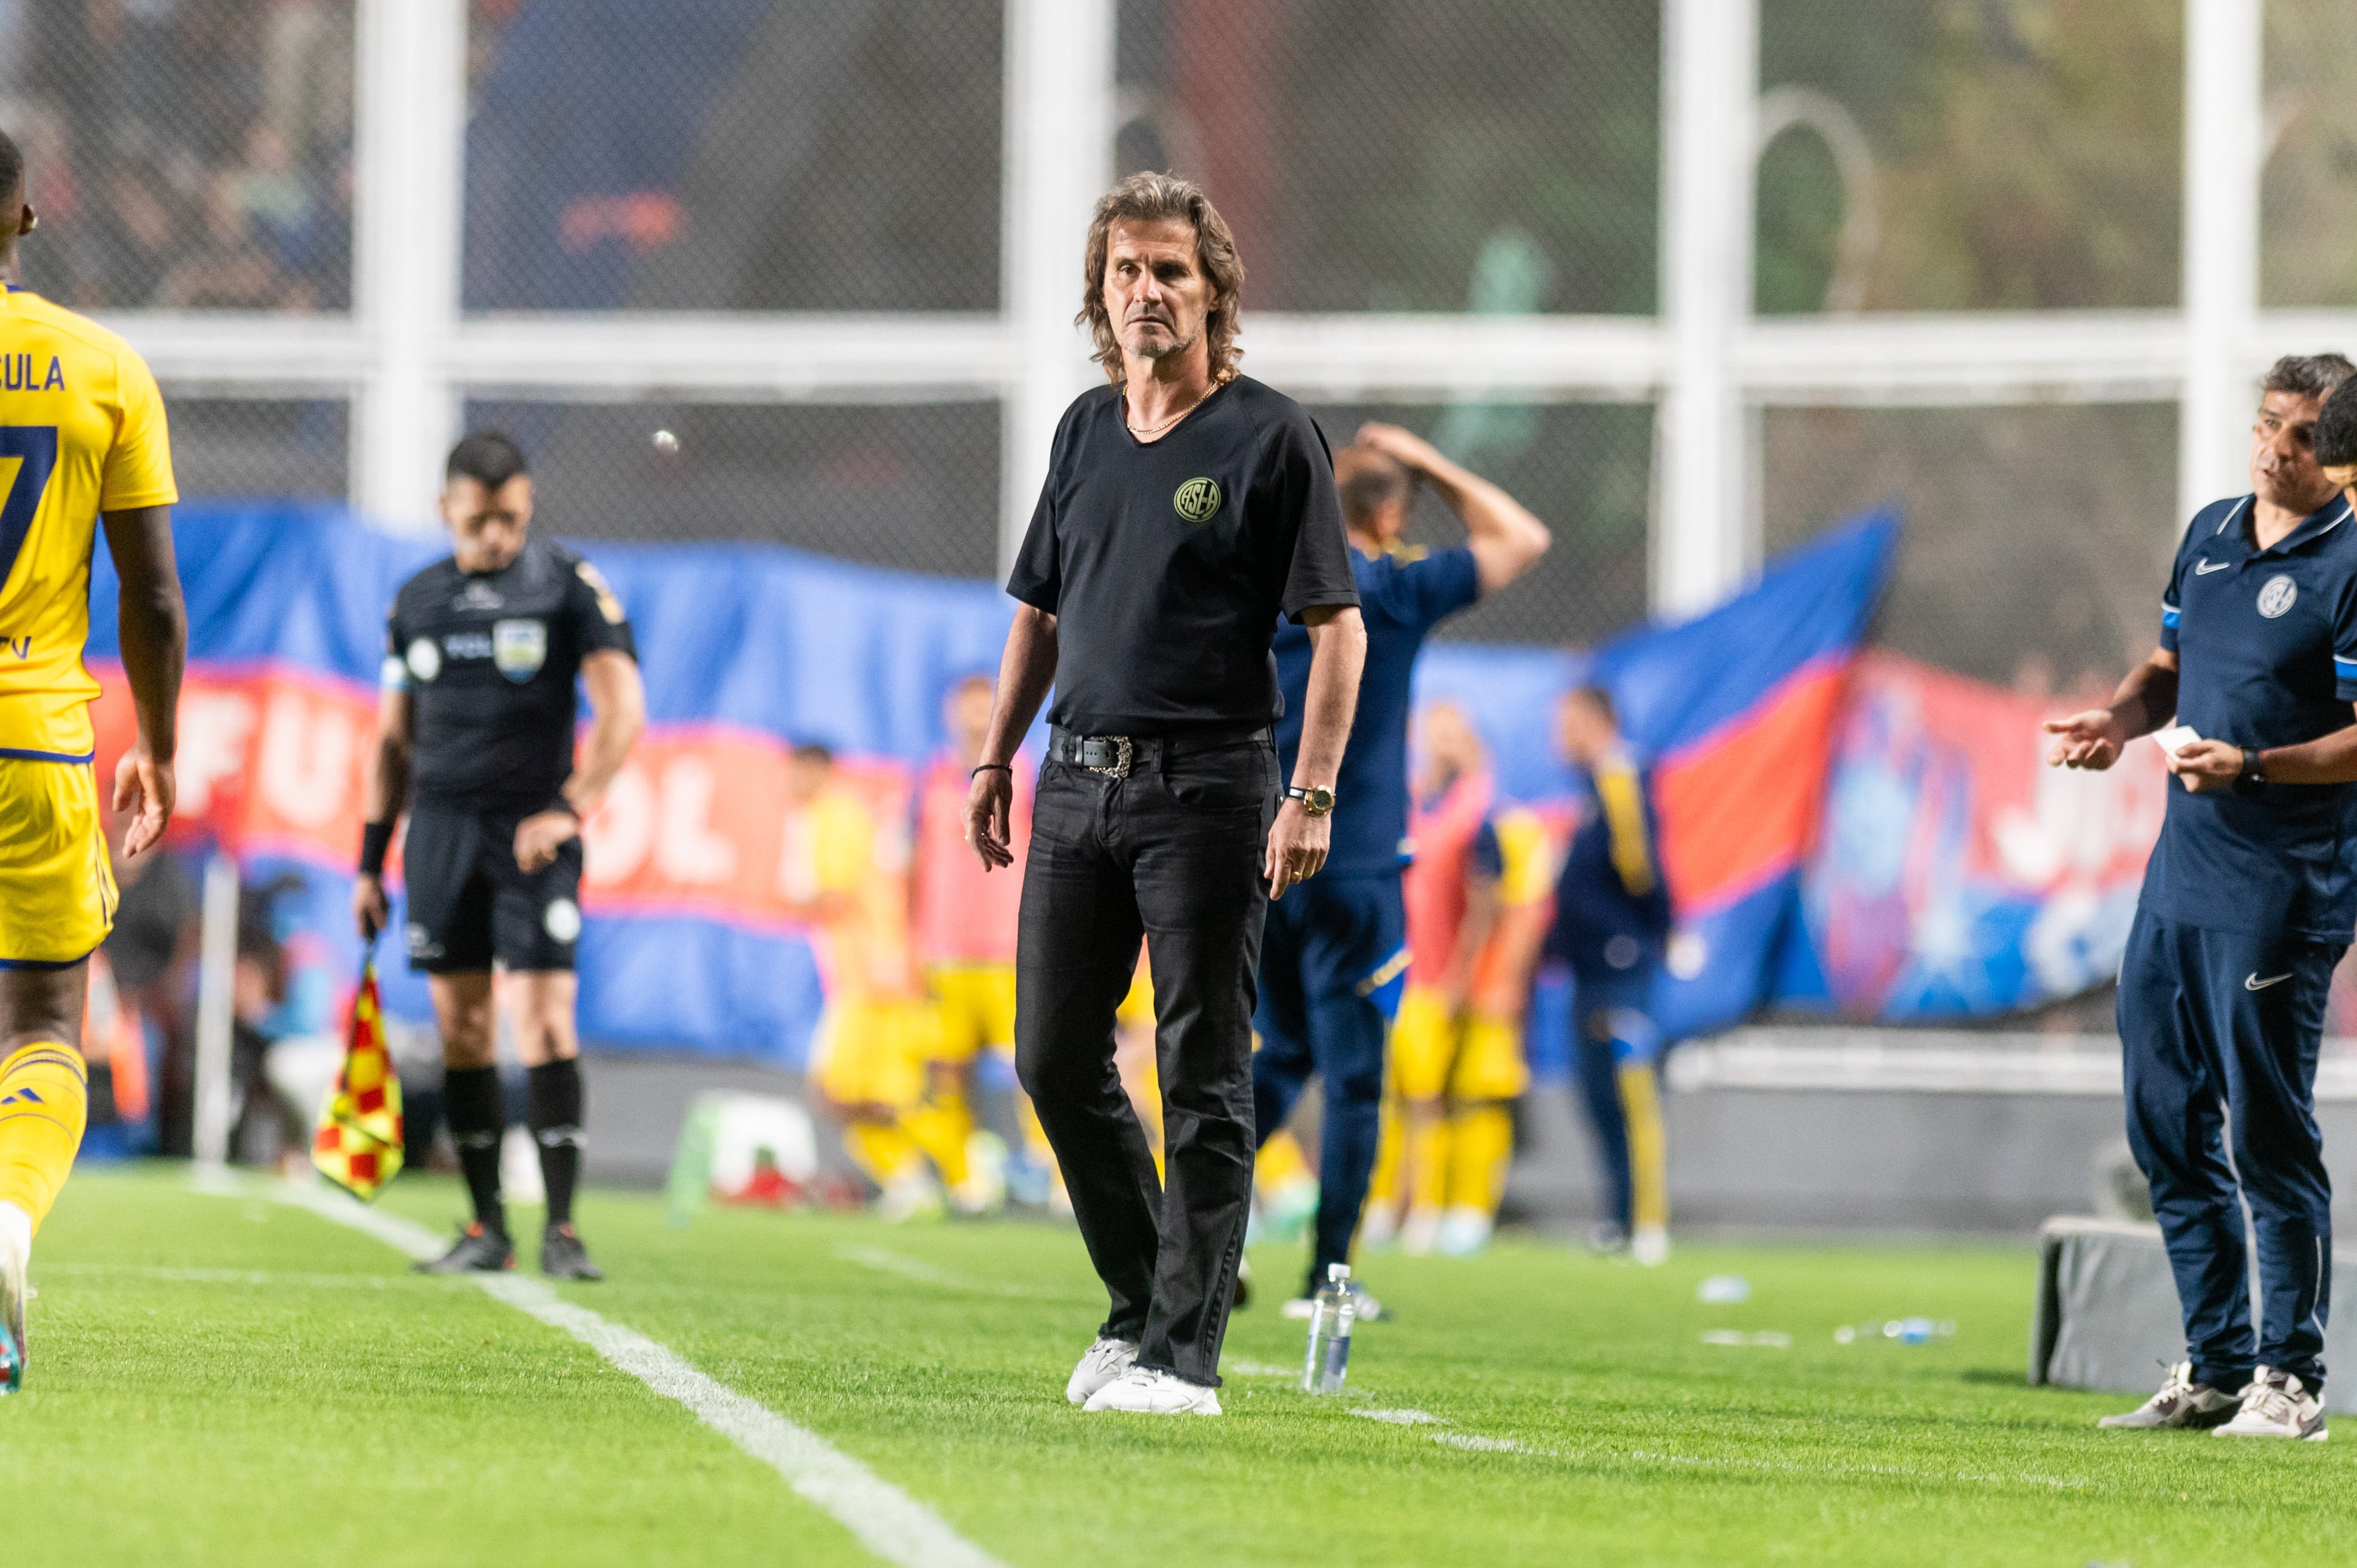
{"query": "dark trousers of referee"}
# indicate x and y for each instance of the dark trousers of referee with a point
(1331, 972)
(1172, 852)
(2221, 1033)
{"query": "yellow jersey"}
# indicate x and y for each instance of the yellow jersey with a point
(82, 432)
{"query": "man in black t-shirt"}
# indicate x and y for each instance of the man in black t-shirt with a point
(1187, 508)
(475, 737)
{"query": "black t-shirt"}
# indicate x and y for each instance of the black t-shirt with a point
(1167, 563)
(489, 659)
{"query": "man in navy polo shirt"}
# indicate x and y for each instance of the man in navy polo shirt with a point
(2248, 904)
(1334, 956)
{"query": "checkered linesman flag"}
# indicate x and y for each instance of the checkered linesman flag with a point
(359, 1143)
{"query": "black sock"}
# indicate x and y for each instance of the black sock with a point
(555, 1115)
(472, 1104)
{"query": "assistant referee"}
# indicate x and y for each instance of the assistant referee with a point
(475, 739)
(1187, 508)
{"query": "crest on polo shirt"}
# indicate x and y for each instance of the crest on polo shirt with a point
(1198, 500)
(2280, 593)
(518, 647)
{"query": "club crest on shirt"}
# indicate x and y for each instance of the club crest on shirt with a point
(2277, 597)
(518, 647)
(1198, 500)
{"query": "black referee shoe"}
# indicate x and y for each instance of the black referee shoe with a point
(480, 1249)
(563, 1257)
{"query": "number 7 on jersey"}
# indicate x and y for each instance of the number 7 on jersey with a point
(35, 448)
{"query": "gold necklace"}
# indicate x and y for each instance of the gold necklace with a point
(1157, 429)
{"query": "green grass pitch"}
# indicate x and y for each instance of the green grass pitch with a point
(232, 1381)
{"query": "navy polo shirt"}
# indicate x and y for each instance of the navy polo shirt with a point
(1401, 601)
(2267, 649)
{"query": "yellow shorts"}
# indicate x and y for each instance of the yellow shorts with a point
(973, 1010)
(871, 1051)
(57, 886)
(1474, 1058)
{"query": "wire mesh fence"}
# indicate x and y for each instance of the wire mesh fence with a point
(1583, 468)
(1495, 155)
(734, 155)
(242, 448)
(185, 154)
(2038, 539)
(2308, 201)
(1972, 154)
(908, 485)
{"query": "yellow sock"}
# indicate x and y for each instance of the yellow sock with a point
(884, 1153)
(1280, 1164)
(1480, 1146)
(44, 1098)
(1649, 1145)
(941, 1126)
(1426, 1158)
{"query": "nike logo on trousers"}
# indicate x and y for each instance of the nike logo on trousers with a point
(2255, 984)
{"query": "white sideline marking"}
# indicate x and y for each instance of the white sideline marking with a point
(1765, 1338)
(1698, 1460)
(1230, 1368)
(1485, 1444)
(887, 1521)
(219, 1276)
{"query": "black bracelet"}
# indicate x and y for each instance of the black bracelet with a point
(375, 839)
(1007, 767)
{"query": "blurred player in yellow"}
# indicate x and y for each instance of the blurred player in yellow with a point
(867, 1061)
(1443, 1053)
(963, 922)
(82, 436)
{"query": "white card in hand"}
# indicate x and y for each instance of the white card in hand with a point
(2175, 738)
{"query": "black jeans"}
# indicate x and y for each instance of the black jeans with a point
(1172, 852)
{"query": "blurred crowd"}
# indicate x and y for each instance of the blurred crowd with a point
(193, 154)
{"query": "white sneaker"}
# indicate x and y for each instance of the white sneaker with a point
(985, 1188)
(913, 1195)
(1419, 1232)
(16, 1258)
(2180, 1403)
(1145, 1390)
(2276, 1405)
(1651, 1245)
(1106, 1360)
(1464, 1230)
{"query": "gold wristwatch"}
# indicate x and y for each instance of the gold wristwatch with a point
(1318, 800)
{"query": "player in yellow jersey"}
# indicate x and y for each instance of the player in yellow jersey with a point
(81, 437)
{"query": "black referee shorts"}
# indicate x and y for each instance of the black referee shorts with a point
(471, 902)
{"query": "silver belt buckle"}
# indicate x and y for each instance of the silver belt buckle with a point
(1125, 753)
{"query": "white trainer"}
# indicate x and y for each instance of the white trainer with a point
(1649, 1246)
(16, 1261)
(2278, 1404)
(1364, 1307)
(1106, 1360)
(2180, 1403)
(1146, 1390)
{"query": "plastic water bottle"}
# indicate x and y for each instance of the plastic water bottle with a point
(1330, 1333)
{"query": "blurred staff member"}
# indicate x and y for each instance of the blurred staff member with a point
(1331, 966)
(2247, 904)
(1451, 896)
(868, 1059)
(82, 438)
(475, 739)
(1187, 508)
(1611, 925)
(963, 920)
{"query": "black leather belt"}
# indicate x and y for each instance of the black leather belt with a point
(1115, 755)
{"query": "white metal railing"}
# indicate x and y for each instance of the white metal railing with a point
(407, 356)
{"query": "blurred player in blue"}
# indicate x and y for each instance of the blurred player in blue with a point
(2247, 909)
(1612, 928)
(1334, 956)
